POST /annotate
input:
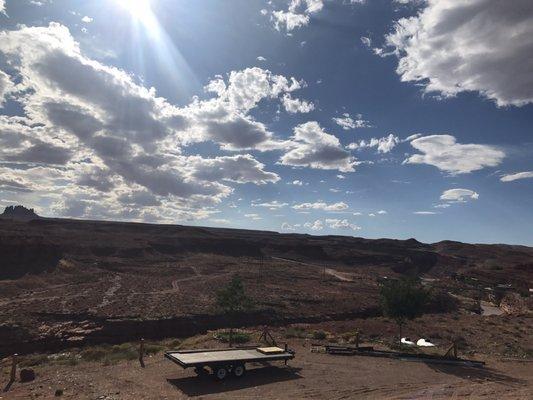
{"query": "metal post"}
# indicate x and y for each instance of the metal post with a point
(141, 353)
(13, 374)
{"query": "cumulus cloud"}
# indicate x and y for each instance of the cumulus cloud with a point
(239, 169)
(347, 122)
(296, 183)
(516, 176)
(383, 145)
(341, 224)
(332, 223)
(320, 205)
(87, 19)
(225, 119)
(483, 46)
(459, 195)
(424, 212)
(311, 146)
(2, 6)
(297, 15)
(271, 205)
(443, 152)
(287, 227)
(121, 144)
(318, 225)
(294, 106)
(5, 86)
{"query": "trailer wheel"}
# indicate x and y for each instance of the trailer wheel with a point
(239, 370)
(221, 373)
(200, 371)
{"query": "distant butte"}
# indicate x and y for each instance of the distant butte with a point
(19, 213)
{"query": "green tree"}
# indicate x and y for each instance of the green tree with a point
(232, 301)
(403, 300)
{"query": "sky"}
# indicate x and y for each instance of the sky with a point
(398, 118)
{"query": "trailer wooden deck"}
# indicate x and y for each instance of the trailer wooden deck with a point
(222, 362)
(194, 358)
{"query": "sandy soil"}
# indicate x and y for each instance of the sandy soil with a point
(308, 376)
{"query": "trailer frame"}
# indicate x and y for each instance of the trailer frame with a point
(227, 364)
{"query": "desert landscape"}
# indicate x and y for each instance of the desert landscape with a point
(70, 285)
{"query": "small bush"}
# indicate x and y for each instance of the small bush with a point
(152, 348)
(238, 337)
(319, 335)
(33, 360)
(93, 354)
(111, 354)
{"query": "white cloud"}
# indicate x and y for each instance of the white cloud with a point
(296, 183)
(297, 14)
(87, 19)
(313, 147)
(340, 176)
(255, 217)
(443, 152)
(453, 46)
(241, 168)
(222, 221)
(340, 206)
(5, 86)
(366, 41)
(261, 58)
(119, 145)
(382, 212)
(518, 175)
(346, 122)
(3, 7)
(383, 145)
(459, 195)
(412, 137)
(272, 205)
(318, 225)
(424, 212)
(341, 224)
(294, 106)
(287, 227)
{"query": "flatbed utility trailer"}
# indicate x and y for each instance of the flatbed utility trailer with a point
(369, 351)
(224, 362)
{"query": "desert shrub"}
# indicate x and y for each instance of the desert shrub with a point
(93, 354)
(319, 335)
(110, 354)
(238, 337)
(403, 300)
(232, 301)
(33, 360)
(153, 348)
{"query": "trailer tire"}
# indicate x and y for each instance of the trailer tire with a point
(200, 371)
(220, 373)
(239, 370)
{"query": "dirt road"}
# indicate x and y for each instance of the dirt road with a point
(309, 376)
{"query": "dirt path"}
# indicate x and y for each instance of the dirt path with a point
(343, 276)
(309, 376)
(110, 293)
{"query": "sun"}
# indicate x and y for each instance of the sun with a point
(139, 9)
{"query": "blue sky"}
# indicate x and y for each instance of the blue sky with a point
(378, 119)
